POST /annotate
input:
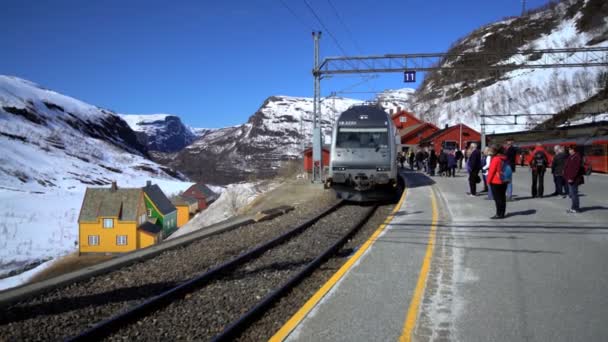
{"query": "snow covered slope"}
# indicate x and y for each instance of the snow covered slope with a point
(160, 132)
(51, 148)
(448, 98)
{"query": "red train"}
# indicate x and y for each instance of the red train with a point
(594, 150)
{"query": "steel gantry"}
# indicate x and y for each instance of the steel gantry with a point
(472, 61)
(486, 62)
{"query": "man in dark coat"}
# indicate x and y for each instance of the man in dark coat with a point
(510, 153)
(419, 159)
(459, 157)
(557, 169)
(474, 166)
(432, 162)
(573, 175)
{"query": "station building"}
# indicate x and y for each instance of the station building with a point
(459, 136)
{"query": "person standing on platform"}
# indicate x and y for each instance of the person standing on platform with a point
(452, 164)
(459, 156)
(557, 169)
(573, 175)
(411, 159)
(487, 158)
(419, 159)
(474, 166)
(497, 185)
(432, 162)
(538, 166)
(510, 153)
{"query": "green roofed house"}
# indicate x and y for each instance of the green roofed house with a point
(160, 209)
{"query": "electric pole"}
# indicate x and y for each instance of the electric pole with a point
(523, 7)
(317, 139)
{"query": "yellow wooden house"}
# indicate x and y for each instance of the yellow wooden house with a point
(114, 220)
(186, 208)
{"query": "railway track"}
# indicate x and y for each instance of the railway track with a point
(224, 301)
(65, 311)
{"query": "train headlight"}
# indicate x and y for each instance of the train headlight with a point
(382, 178)
(339, 168)
(339, 178)
(383, 169)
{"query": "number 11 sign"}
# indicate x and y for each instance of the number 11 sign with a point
(409, 76)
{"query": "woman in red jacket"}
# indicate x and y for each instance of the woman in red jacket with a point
(499, 189)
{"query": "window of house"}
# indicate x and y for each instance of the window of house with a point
(93, 240)
(402, 119)
(142, 219)
(149, 212)
(121, 240)
(108, 223)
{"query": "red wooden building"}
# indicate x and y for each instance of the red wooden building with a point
(457, 136)
(411, 129)
(308, 158)
(202, 194)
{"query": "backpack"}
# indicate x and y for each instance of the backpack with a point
(586, 168)
(540, 160)
(506, 173)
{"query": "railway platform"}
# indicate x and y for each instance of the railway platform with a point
(441, 270)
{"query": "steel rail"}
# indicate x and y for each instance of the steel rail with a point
(241, 324)
(113, 324)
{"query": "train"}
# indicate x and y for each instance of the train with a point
(363, 156)
(593, 149)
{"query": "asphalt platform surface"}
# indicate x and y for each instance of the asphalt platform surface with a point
(541, 274)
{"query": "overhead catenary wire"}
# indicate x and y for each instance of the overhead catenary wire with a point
(302, 21)
(350, 35)
(348, 31)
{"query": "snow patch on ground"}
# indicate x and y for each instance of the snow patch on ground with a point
(24, 277)
(233, 198)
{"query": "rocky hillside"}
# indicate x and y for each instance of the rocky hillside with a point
(160, 132)
(451, 97)
(277, 132)
(51, 140)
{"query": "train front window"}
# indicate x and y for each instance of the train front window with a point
(362, 138)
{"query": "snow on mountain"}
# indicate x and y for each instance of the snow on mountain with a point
(452, 97)
(278, 131)
(160, 132)
(51, 148)
(393, 99)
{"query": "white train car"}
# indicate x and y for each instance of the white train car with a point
(363, 162)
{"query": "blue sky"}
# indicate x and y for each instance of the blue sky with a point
(213, 63)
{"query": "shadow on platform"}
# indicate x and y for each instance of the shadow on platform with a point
(417, 179)
(595, 207)
(523, 213)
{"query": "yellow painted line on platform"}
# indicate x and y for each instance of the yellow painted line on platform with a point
(293, 322)
(412, 312)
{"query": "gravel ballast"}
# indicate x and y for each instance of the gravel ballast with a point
(205, 313)
(67, 311)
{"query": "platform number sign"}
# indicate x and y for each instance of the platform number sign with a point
(409, 76)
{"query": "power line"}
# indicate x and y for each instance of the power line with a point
(326, 29)
(350, 34)
(302, 21)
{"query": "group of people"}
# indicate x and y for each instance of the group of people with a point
(497, 161)
(422, 159)
(494, 167)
